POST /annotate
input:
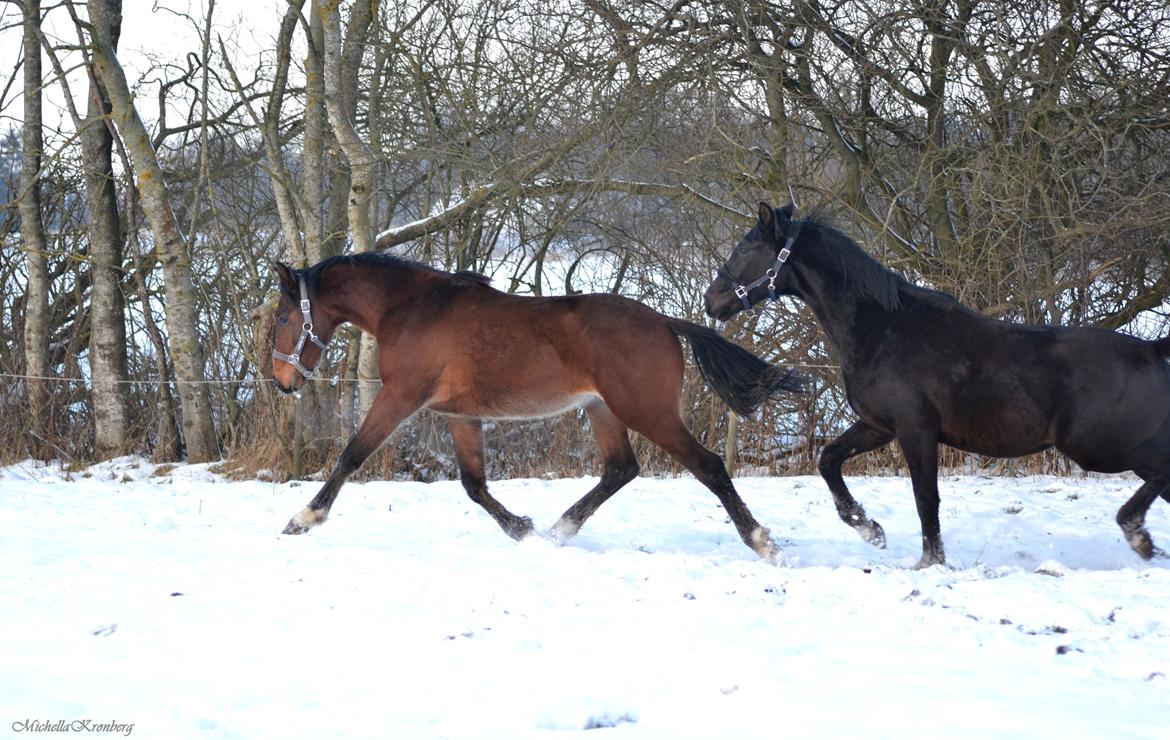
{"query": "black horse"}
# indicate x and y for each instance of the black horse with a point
(921, 368)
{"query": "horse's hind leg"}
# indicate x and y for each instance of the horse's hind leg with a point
(1131, 517)
(708, 468)
(857, 439)
(467, 435)
(390, 407)
(620, 467)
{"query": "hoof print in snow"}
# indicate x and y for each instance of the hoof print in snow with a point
(1155, 674)
(606, 720)
(1065, 649)
(105, 630)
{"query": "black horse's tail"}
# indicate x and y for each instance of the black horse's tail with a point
(740, 378)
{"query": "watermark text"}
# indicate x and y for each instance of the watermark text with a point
(74, 725)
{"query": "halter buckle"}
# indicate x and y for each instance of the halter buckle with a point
(741, 291)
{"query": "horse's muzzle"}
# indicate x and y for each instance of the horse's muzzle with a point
(721, 304)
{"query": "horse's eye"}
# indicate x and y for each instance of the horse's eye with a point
(281, 320)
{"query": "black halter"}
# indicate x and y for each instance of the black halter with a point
(769, 275)
(294, 358)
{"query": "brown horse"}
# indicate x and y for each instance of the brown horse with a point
(450, 343)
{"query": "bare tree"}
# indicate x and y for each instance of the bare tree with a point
(32, 232)
(182, 303)
(107, 347)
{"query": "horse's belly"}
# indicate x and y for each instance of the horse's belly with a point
(995, 447)
(998, 436)
(512, 406)
(532, 408)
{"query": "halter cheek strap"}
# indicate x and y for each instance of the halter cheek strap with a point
(294, 358)
(769, 276)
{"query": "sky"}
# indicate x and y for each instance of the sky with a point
(154, 33)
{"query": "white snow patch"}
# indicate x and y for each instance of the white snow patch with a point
(174, 603)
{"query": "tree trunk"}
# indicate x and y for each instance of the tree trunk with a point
(181, 300)
(32, 233)
(731, 445)
(313, 153)
(107, 346)
(362, 165)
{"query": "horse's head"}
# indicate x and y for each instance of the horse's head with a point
(753, 270)
(302, 331)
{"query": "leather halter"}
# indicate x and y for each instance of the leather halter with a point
(294, 358)
(769, 276)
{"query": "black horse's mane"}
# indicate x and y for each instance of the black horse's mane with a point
(391, 260)
(864, 276)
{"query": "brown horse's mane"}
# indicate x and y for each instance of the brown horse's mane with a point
(383, 259)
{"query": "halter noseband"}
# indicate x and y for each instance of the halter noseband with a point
(769, 275)
(294, 358)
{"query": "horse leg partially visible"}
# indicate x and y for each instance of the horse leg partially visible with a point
(467, 435)
(856, 440)
(919, 443)
(620, 467)
(390, 407)
(709, 469)
(1131, 517)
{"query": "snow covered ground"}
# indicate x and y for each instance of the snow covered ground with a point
(171, 602)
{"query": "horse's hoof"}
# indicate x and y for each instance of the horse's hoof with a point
(927, 561)
(304, 521)
(520, 528)
(1139, 540)
(873, 533)
(563, 531)
(765, 547)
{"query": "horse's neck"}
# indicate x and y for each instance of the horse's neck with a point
(360, 295)
(844, 315)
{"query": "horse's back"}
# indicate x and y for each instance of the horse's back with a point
(1006, 390)
(507, 356)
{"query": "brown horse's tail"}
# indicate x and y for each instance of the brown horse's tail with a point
(740, 378)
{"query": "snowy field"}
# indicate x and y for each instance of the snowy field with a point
(171, 602)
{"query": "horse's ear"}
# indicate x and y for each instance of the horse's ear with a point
(288, 277)
(766, 216)
(783, 219)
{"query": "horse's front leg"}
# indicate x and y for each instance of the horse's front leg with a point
(857, 439)
(389, 409)
(919, 445)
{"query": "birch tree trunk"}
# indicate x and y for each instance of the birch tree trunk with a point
(32, 233)
(312, 186)
(107, 345)
(362, 163)
(181, 300)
